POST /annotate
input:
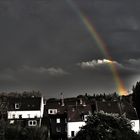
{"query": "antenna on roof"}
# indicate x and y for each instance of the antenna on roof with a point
(62, 99)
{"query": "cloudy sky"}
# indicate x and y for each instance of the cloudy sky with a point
(45, 46)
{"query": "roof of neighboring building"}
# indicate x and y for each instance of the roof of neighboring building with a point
(108, 106)
(25, 103)
(119, 107)
(76, 113)
(3, 104)
(129, 111)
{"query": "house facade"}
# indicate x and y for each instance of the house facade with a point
(26, 111)
(77, 116)
(55, 117)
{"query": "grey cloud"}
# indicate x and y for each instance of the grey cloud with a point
(98, 64)
(135, 62)
(56, 71)
(52, 71)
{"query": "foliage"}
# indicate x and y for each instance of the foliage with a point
(136, 97)
(9, 132)
(101, 126)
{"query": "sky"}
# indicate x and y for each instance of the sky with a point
(46, 46)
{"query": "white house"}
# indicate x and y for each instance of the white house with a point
(77, 117)
(135, 125)
(74, 127)
(26, 110)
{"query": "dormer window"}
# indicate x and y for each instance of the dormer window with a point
(17, 106)
(52, 111)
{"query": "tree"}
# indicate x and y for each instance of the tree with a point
(136, 97)
(102, 126)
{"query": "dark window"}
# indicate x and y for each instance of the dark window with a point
(72, 133)
(34, 122)
(13, 116)
(20, 116)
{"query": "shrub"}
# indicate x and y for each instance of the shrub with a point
(26, 133)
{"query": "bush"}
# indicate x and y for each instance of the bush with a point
(27, 133)
(102, 126)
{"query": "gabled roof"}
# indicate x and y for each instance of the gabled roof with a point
(76, 113)
(25, 103)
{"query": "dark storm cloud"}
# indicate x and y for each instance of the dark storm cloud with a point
(42, 41)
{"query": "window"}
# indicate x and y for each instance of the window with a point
(13, 116)
(58, 120)
(12, 121)
(52, 111)
(17, 106)
(20, 116)
(58, 129)
(32, 123)
(133, 124)
(85, 117)
(28, 115)
(72, 133)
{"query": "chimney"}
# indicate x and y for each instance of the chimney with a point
(84, 103)
(62, 100)
(81, 101)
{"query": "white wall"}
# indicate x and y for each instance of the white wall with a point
(25, 114)
(42, 107)
(135, 125)
(74, 126)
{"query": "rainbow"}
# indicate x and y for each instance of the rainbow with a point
(102, 46)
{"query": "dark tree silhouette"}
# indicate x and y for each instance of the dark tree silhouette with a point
(103, 126)
(136, 97)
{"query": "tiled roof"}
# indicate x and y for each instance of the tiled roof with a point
(25, 103)
(108, 106)
(75, 113)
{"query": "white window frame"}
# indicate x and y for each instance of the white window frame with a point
(17, 106)
(52, 111)
(58, 120)
(12, 122)
(85, 117)
(31, 123)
